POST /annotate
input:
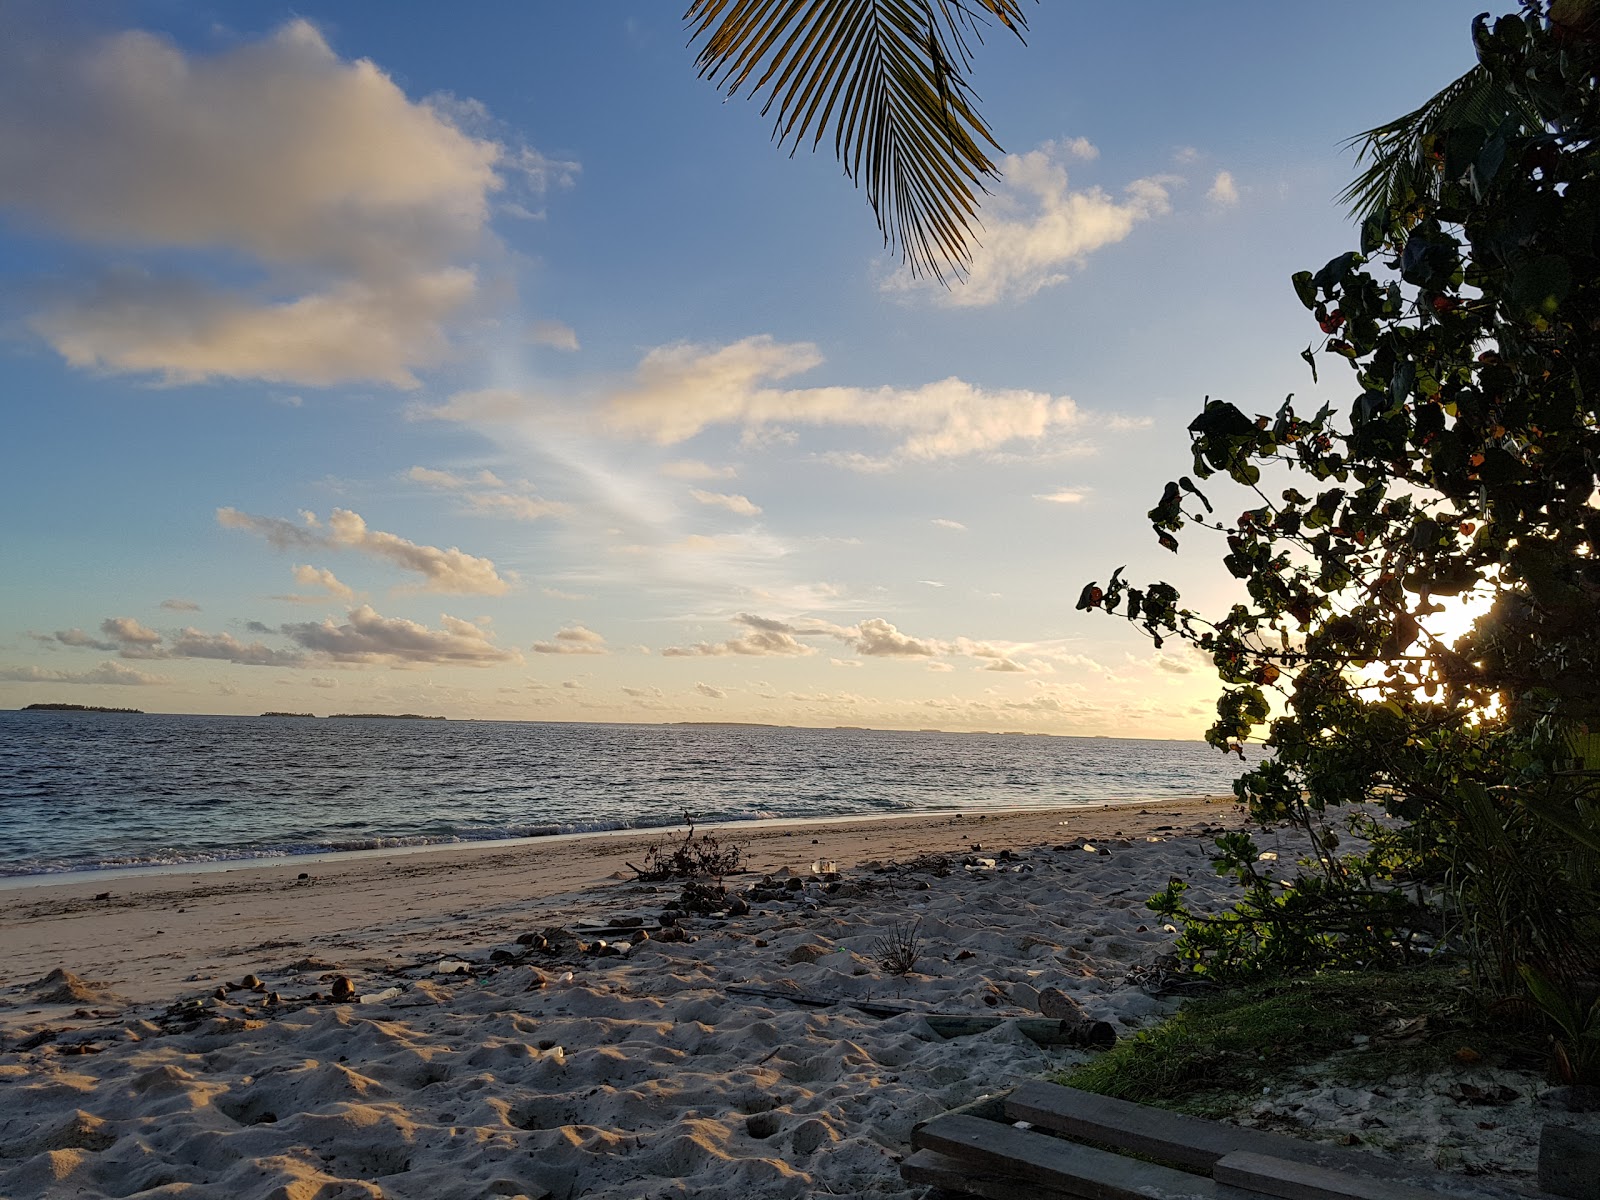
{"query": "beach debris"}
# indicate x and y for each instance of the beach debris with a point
(452, 966)
(1055, 1003)
(343, 990)
(251, 983)
(388, 993)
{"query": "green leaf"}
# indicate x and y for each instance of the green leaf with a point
(1541, 285)
(1304, 288)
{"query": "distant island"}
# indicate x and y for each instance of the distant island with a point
(289, 714)
(383, 717)
(77, 708)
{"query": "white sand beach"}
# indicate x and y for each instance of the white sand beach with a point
(467, 1063)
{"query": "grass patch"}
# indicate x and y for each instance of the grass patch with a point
(1220, 1050)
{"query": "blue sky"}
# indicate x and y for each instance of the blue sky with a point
(481, 360)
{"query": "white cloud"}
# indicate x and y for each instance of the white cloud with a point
(555, 334)
(575, 639)
(327, 583)
(192, 643)
(322, 681)
(369, 637)
(558, 594)
(486, 495)
(942, 523)
(126, 629)
(879, 639)
(683, 389)
(1037, 228)
(1224, 192)
(359, 208)
(705, 689)
(688, 468)
(106, 672)
(1062, 496)
(767, 637)
(734, 503)
(450, 571)
(176, 605)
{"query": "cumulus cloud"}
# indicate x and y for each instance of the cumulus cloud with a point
(326, 584)
(192, 643)
(574, 639)
(733, 502)
(879, 639)
(767, 637)
(359, 208)
(369, 637)
(555, 334)
(106, 672)
(705, 689)
(1062, 496)
(450, 571)
(943, 523)
(1037, 228)
(486, 495)
(126, 629)
(680, 390)
(175, 605)
(1224, 192)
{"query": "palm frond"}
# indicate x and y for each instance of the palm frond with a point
(890, 79)
(1400, 170)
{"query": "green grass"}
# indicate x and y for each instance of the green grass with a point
(1221, 1050)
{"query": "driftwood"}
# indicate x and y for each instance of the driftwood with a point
(1028, 1142)
(1041, 1030)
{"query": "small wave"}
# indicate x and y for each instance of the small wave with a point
(473, 835)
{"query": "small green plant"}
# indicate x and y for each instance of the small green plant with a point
(1577, 1050)
(1330, 918)
(694, 856)
(1217, 1053)
(898, 950)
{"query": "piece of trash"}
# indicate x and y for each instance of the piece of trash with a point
(452, 966)
(1267, 856)
(824, 866)
(1088, 849)
(388, 993)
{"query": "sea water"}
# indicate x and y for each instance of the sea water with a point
(94, 790)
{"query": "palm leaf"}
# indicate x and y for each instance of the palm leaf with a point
(889, 78)
(1401, 171)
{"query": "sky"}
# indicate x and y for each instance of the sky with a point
(482, 361)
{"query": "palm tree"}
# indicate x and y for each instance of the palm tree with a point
(1405, 157)
(890, 79)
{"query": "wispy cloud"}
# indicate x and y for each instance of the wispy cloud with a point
(575, 639)
(485, 494)
(734, 503)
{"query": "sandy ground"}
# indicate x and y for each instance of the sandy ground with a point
(400, 1041)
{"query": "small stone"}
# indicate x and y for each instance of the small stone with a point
(1058, 1006)
(738, 907)
(668, 919)
(220, 994)
(343, 989)
(273, 999)
(251, 983)
(303, 875)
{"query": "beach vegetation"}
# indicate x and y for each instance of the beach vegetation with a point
(1217, 1054)
(1415, 638)
(898, 950)
(696, 856)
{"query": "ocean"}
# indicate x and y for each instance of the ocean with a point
(81, 791)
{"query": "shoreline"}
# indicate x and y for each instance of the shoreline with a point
(146, 934)
(453, 1024)
(265, 859)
